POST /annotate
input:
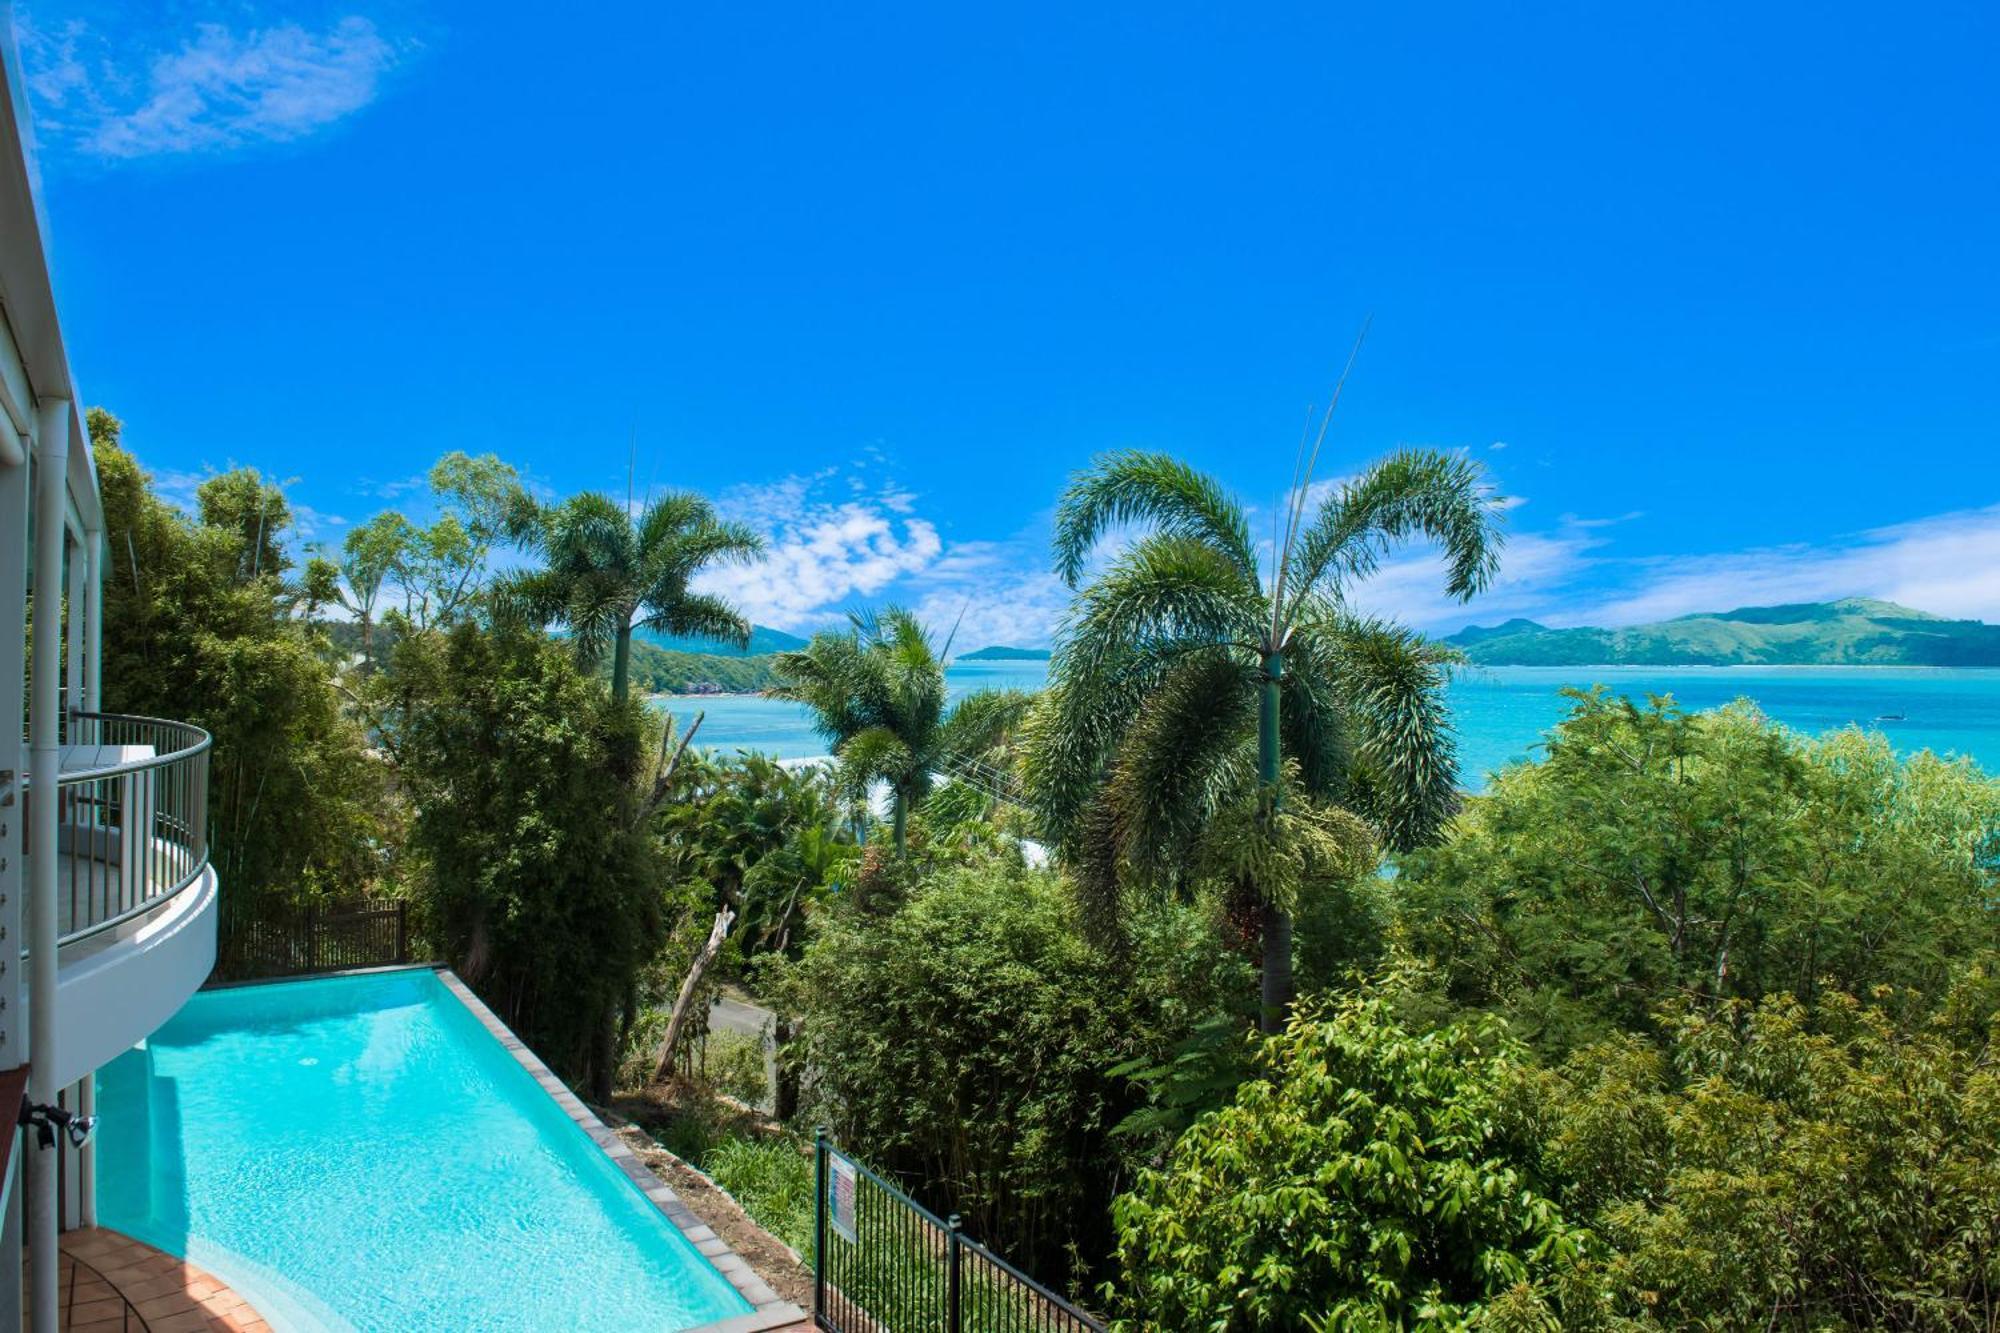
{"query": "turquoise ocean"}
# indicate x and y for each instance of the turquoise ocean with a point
(1502, 713)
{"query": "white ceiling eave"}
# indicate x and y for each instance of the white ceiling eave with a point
(27, 298)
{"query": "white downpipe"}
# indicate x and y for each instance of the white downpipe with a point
(93, 701)
(93, 624)
(86, 1159)
(73, 662)
(46, 699)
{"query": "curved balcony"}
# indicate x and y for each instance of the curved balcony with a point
(135, 894)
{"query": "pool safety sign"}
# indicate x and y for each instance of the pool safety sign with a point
(840, 1183)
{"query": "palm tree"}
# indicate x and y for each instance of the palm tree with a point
(1186, 684)
(877, 694)
(605, 575)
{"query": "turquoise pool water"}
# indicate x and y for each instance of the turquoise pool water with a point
(359, 1153)
(1502, 712)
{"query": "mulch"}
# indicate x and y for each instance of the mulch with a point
(776, 1262)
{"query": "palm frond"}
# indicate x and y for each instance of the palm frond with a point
(1072, 729)
(1405, 772)
(1162, 588)
(1131, 486)
(1190, 751)
(1413, 492)
(877, 754)
(700, 616)
(979, 724)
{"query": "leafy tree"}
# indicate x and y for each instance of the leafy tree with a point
(197, 626)
(877, 694)
(1784, 1166)
(369, 555)
(1186, 684)
(254, 514)
(442, 569)
(1656, 854)
(319, 587)
(534, 875)
(606, 575)
(960, 1042)
(1373, 1178)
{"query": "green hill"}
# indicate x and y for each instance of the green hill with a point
(660, 671)
(763, 639)
(1855, 631)
(1002, 653)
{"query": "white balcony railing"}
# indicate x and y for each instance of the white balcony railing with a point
(132, 822)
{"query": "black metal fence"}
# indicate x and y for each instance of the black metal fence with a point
(883, 1263)
(312, 940)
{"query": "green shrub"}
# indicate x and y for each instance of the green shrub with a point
(961, 1046)
(773, 1180)
(1373, 1178)
(1791, 1168)
(733, 1063)
(1658, 854)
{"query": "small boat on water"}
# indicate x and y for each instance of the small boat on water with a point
(1890, 717)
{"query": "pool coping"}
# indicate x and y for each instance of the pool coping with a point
(767, 1310)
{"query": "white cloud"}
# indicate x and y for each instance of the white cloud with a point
(824, 555)
(218, 89)
(1411, 588)
(1947, 563)
(1015, 607)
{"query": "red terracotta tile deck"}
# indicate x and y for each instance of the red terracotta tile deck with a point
(111, 1283)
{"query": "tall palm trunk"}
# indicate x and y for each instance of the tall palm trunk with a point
(899, 819)
(621, 665)
(1277, 980)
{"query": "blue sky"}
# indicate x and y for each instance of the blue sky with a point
(1712, 289)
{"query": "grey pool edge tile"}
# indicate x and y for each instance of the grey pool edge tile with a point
(767, 1311)
(774, 1316)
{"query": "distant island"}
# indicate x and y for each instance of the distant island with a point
(1855, 631)
(1002, 653)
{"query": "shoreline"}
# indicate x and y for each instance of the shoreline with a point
(1721, 666)
(710, 694)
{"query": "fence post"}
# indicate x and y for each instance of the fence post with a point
(953, 1283)
(312, 939)
(819, 1225)
(402, 930)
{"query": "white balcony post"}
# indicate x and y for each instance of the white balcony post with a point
(52, 427)
(14, 501)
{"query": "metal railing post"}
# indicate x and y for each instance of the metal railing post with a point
(953, 1282)
(819, 1226)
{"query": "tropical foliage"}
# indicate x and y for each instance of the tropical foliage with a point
(535, 876)
(1690, 1024)
(1792, 1167)
(1190, 686)
(1371, 1178)
(199, 625)
(768, 841)
(962, 1040)
(605, 574)
(1657, 854)
(877, 693)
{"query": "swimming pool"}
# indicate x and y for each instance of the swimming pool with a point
(359, 1152)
